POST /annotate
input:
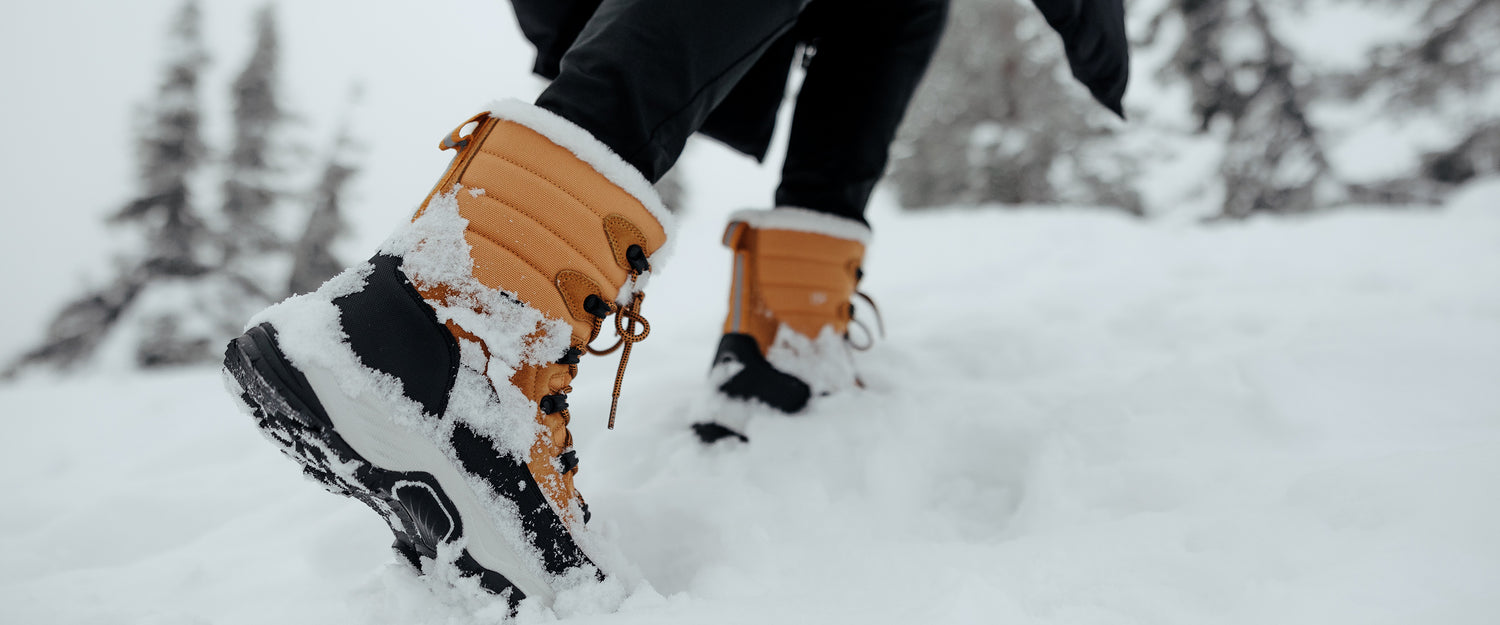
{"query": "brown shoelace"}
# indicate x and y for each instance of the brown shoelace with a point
(628, 338)
(879, 323)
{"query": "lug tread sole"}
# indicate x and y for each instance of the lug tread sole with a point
(288, 413)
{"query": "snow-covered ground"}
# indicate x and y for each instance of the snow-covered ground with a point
(1075, 418)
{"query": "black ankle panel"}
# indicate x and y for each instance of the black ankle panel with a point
(394, 331)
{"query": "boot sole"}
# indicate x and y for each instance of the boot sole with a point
(411, 498)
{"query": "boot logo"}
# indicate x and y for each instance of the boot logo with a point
(426, 509)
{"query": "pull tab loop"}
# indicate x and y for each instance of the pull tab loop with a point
(456, 140)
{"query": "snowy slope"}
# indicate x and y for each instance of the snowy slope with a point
(1076, 418)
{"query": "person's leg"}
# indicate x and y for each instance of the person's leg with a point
(644, 74)
(870, 56)
(796, 267)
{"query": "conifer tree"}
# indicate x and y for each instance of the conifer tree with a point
(169, 151)
(77, 330)
(313, 260)
(177, 241)
(1239, 71)
(181, 285)
(1451, 71)
(998, 120)
(249, 195)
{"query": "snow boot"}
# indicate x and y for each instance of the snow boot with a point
(431, 382)
(790, 309)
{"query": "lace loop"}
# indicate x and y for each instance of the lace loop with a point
(633, 313)
(606, 351)
(879, 321)
(628, 338)
(626, 318)
(869, 336)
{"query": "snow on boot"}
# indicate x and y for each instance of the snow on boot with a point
(795, 272)
(431, 382)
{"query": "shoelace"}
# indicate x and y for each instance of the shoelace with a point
(869, 337)
(628, 338)
(558, 402)
(626, 318)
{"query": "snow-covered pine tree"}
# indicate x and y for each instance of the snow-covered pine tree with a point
(249, 192)
(1449, 71)
(169, 151)
(1242, 74)
(313, 260)
(177, 243)
(76, 332)
(999, 119)
(177, 316)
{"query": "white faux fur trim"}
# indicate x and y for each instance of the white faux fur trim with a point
(804, 220)
(592, 151)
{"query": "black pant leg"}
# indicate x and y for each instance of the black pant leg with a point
(870, 55)
(644, 74)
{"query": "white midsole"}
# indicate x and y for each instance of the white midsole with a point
(368, 429)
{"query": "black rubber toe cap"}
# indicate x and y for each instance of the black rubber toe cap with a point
(758, 380)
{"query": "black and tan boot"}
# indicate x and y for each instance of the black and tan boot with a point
(431, 382)
(785, 336)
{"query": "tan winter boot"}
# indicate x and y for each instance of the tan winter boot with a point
(431, 382)
(795, 273)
